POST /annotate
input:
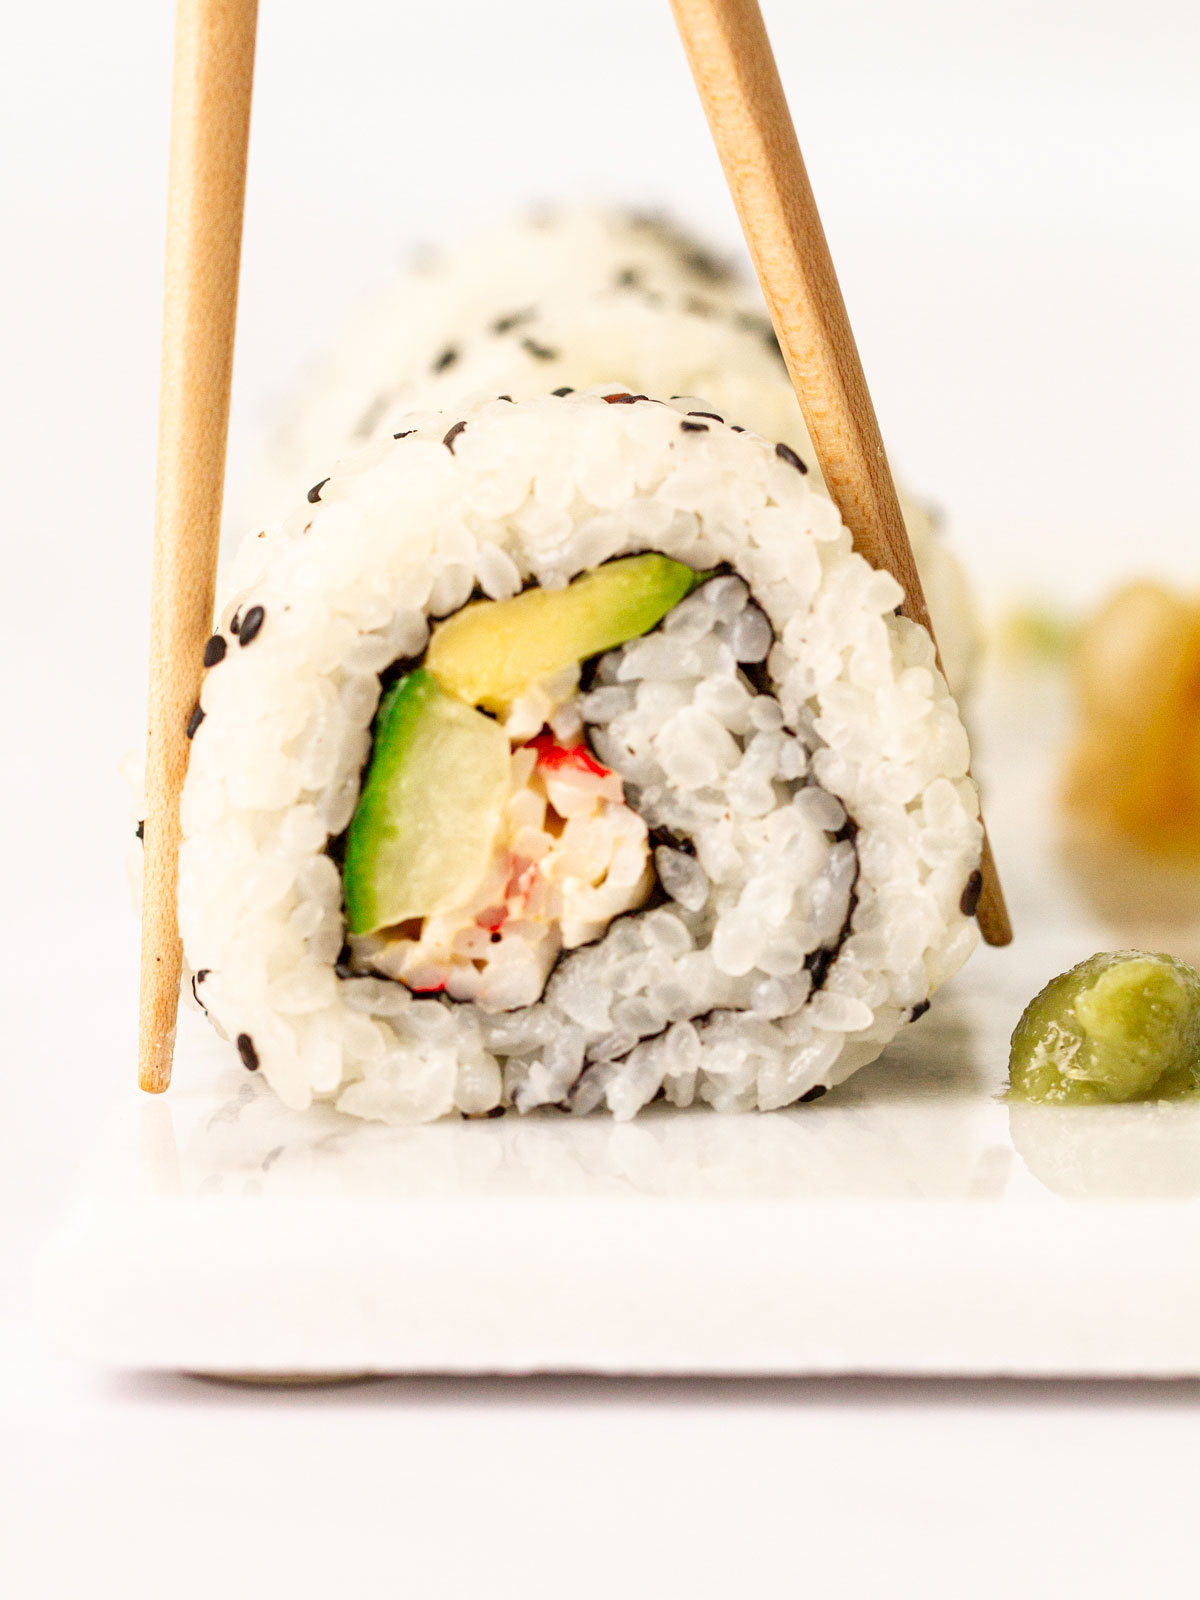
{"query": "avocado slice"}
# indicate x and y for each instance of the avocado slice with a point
(423, 832)
(491, 651)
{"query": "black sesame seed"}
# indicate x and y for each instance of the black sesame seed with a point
(705, 265)
(786, 453)
(199, 977)
(540, 352)
(202, 974)
(815, 1093)
(251, 625)
(140, 831)
(918, 1010)
(565, 390)
(735, 429)
(194, 721)
(447, 359)
(453, 434)
(496, 1111)
(507, 397)
(711, 414)
(245, 1049)
(693, 427)
(513, 320)
(969, 903)
(235, 627)
(214, 650)
(405, 434)
(314, 494)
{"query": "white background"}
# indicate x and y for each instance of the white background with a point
(1010, 192)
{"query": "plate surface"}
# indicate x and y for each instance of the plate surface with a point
(910, 1222)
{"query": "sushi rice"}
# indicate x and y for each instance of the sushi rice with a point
(778, 767)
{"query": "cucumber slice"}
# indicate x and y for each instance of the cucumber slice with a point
(492, 650)
(422, 835)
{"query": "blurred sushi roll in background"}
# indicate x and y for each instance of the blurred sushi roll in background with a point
(561, 751)
(571, 298)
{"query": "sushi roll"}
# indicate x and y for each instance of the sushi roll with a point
(579, 298)
(415, 325)
(562, 752)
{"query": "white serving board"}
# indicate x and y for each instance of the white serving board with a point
(910, 1222)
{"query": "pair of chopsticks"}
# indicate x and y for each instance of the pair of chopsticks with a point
(738, 82)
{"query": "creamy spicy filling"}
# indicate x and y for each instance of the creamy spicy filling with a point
(568, 856)
(488, 838)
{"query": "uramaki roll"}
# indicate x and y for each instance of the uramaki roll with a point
(563, 751)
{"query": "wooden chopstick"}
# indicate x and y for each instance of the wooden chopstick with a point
(734, 67)
(210, 126)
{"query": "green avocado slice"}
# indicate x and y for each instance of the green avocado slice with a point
(491, 651)
(423, 832)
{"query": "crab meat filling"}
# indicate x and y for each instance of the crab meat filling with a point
(568, 856)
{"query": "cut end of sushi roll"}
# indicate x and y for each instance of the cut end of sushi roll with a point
(573, 758)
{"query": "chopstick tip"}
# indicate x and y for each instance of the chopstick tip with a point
(156, 1055)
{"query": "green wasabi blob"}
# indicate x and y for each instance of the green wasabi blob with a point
(1121, 1025)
